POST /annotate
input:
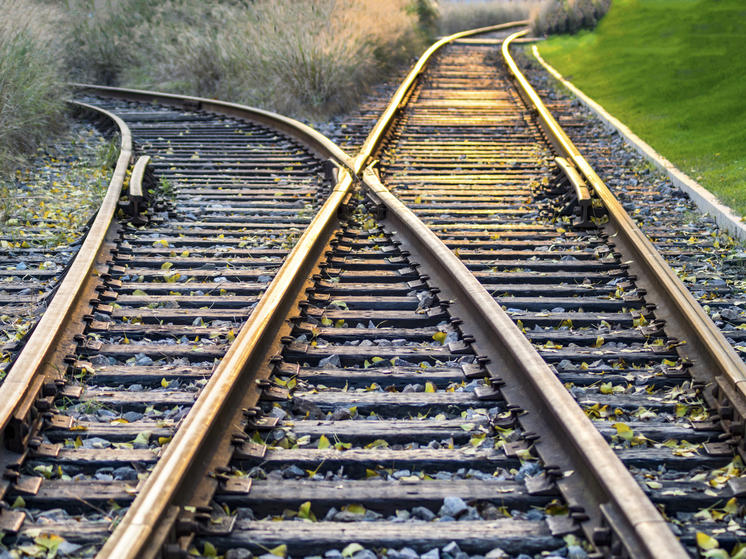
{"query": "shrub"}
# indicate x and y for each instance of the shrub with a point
(305, 57)
(568, 16)
(31, 90)
(102, 38)
(459, 16)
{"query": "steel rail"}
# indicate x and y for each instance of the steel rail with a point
(313, 139)
(186, 460)
(24, 380)
(594, 478)
(713, 359)
(399, 98)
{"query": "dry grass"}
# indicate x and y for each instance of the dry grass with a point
(31, 94)
(567, 16)
(458, 16)
(305, 57)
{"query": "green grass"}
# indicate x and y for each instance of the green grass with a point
(673, 71)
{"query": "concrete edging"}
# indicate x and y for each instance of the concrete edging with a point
(702, 198)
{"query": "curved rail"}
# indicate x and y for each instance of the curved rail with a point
(319, 143)
(603, 486)
(24, 380)
(185, 462)
(399, 99)
(714, 361)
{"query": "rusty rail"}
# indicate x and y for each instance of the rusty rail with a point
(592, 478)
(26, 378)
(188, 459)
(713, 360)
(319, 143)
(401, 95)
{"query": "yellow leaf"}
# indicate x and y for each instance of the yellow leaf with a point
(440, 337)
(304, 512)
(323, 442)
(164, 383)
(731, 507)
(352, 549)
(706, 542)
(429, 387)
(599, 341)
(624, 431)
(279, 551)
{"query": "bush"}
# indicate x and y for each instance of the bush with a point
(568, 16)
(459, 16)
(304, 57)
(31, 90)
(102, 39)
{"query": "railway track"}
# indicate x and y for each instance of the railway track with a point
(707, 259)
(279, 364)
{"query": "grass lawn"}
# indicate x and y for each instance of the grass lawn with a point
(674, 71)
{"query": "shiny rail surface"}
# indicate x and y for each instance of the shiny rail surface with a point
(399, 358)
(519, 250)
(33, 367)
(180, 280)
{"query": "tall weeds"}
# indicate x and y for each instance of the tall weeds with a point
(459, 16)
(31, 94)
(304, 57)
(568, 16)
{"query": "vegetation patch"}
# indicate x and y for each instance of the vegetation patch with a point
(31, 91)
(567, 16)
(458, 16)
(309, 58)
(671, 71)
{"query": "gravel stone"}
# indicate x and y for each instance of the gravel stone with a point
(453, 506)
(293, 472)
(423, 513)
(143, 360)
(125, 473)
(452, 548)
(132, 416)
(238, 553)
(340, 414)
(496, 553)
(408, 553)
(432, 554)
(576, 552)
(330, 362)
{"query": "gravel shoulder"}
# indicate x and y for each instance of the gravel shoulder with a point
(44, 212)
